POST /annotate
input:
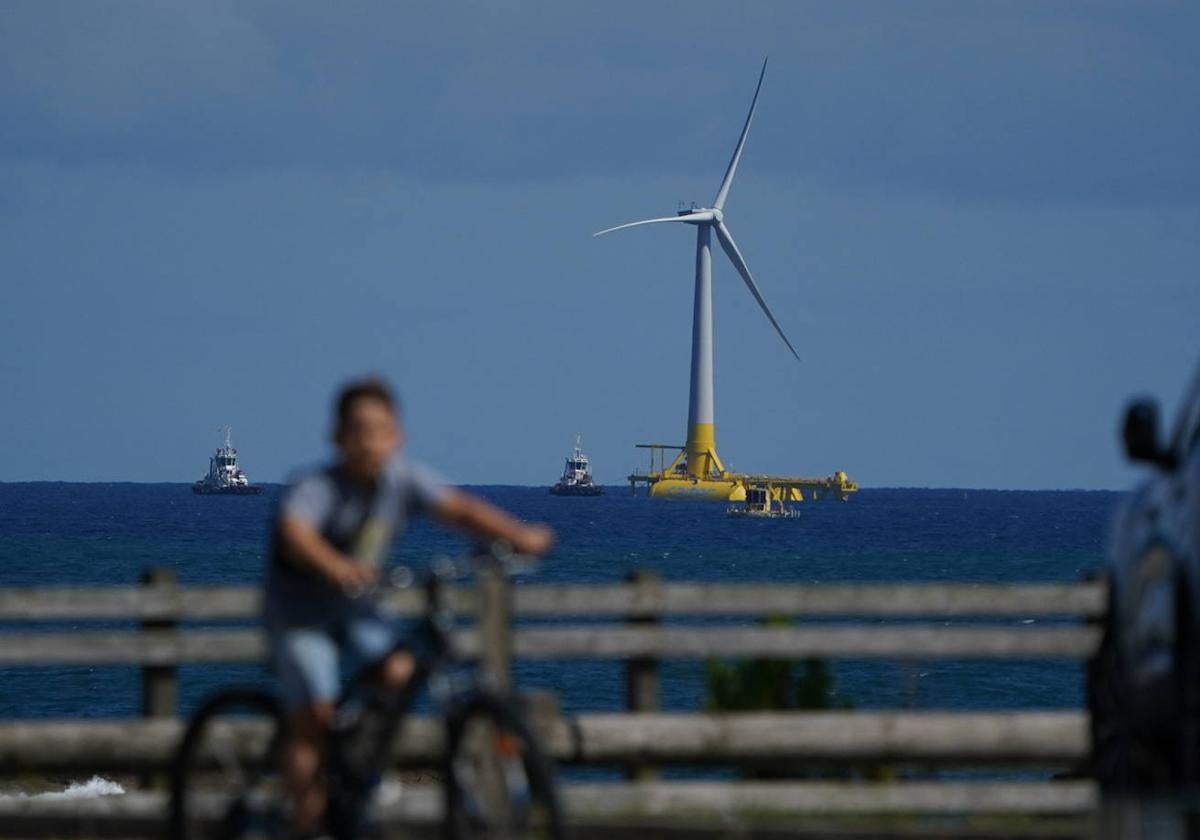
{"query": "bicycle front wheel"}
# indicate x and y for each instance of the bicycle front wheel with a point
(498, 782)
(225, 781)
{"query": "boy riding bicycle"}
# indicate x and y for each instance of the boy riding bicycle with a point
(333, 530)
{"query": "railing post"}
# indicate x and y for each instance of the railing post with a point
(542, 712)
(495, 627)
(159, 681)
(159, 687)
(642, 674)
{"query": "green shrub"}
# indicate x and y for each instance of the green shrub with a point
(764, 684)
(779, 685)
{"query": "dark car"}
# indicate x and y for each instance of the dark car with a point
(1143, 682)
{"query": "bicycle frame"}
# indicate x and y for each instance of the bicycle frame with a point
(358, 744)
(385, 710)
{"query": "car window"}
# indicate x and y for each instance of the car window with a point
(1195, 438)
(1187, 430)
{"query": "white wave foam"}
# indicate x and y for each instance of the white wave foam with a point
(93, 787)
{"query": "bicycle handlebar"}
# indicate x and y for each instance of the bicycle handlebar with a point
(499, 555)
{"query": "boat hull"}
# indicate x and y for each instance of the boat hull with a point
(742, 513)
(243, 490)
(576, 490)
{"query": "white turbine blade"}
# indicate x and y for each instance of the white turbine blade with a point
(735, 256)
(741, 143)
(705, 216)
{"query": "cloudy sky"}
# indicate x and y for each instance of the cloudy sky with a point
(978, 222)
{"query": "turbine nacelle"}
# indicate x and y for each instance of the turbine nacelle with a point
(699, 215)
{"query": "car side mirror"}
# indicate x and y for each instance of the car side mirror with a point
(1140, 433)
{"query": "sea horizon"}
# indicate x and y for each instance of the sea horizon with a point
(621, 485)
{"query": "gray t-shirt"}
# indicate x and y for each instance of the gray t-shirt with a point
(359, 520)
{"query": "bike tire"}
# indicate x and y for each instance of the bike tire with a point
(489, 729)
(245, 760)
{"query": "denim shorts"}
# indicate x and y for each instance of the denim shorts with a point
(316, 643)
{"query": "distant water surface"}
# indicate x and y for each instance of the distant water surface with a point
(53, 533)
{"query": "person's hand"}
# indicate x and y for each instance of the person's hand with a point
(533, 539)
(351, 577)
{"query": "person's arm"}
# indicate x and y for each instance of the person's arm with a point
(304, 546)
(482, 519)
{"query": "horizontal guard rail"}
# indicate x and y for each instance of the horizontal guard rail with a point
(143, 814)
(968, 738)
(168, 647)
(200, 603)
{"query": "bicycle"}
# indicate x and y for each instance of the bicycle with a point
(497, 781)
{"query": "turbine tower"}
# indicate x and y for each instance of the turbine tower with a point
(701, 450)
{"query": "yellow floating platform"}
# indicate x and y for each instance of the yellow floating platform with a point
(673, 481)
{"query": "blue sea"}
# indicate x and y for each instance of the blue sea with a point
(52, 534)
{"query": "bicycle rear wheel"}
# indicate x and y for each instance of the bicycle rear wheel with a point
(498, 783)
(225, 782)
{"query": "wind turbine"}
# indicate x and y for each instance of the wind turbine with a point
(702, 460)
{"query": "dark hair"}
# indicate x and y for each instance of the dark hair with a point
(372, 388)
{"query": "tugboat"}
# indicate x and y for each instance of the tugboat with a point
(577, 476)
(761, 502)
(225, 477)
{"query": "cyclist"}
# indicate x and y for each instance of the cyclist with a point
(333, 529)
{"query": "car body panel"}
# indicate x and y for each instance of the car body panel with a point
(1154, 564)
